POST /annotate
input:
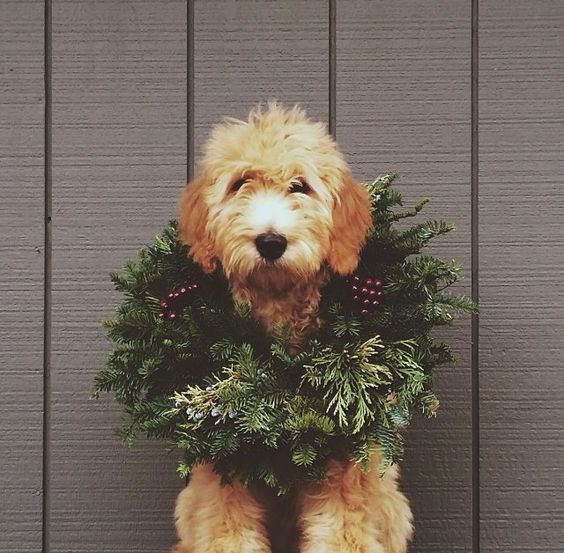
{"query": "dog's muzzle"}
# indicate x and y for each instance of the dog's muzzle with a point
(271, 246)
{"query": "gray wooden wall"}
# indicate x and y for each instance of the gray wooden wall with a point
(103, 104)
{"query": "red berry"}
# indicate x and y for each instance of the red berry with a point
(161, 315)
(172, 315)
(378, 283)
(369, 282)
(372, 292)
(366, 302)
(195, 285)
(183, 290)
(163, 304)
(375, 303)
(354, 288)
(355, 298)
(380, 293)
(171, 295)
(176, 294)
(364, 312)
(356, 279)
(364, 291)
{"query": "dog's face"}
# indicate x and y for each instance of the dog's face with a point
(274, 201)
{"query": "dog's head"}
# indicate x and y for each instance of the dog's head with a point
(274, 200)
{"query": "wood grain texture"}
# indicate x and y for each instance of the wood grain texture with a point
(403, 103)
(119, 161)
(255, 51)
(21, 274)
(521, 267)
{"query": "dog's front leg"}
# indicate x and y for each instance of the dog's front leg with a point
(211, 518)
(389, 515)
(332, 514)
(354, 512)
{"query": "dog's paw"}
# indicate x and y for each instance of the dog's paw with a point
(343, 547)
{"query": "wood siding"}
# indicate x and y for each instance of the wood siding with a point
(22, 228)
(521, 268)
(104, 106)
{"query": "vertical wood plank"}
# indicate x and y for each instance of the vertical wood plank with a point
(255, 51)
(403, 103)
(119, 161)
(521, 267)
(21, 274)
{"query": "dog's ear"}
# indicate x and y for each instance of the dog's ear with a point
(192, 222)
(352, 218)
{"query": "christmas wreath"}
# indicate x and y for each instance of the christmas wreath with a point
(192, 367)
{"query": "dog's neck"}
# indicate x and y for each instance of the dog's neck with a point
(274, 301)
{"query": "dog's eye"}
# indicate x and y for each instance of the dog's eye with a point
(237, 184)
(299, 186)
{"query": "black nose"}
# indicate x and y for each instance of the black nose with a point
(271, 246)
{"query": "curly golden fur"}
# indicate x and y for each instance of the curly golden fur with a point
(281, 176)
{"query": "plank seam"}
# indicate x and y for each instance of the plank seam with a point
(47, 272)
(333, 67)
(190, 116)
(475, 244)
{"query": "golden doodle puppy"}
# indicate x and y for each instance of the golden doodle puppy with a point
(276, 208)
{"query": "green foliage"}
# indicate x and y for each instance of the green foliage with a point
(213, 384)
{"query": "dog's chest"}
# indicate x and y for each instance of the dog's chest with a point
(273, 305)
(271, 312)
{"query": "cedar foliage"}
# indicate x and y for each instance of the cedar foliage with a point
(212, 383)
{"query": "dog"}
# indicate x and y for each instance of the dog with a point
(276, 208)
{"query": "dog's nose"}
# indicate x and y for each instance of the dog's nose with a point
(271, 246)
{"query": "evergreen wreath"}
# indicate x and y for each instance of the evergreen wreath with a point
(193, 368)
